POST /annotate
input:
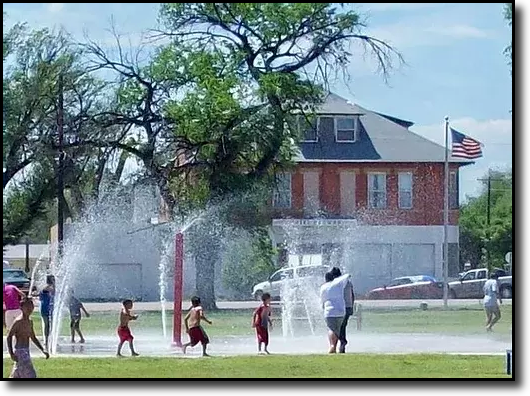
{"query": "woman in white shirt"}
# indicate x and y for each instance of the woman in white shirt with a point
(332, 300)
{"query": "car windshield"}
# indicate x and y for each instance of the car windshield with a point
(399, 282)
(14, 274)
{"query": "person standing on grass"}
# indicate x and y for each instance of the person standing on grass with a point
(192, 321)
(333, 304)
(491, 305)
(349, 300)
(75, 306)
(11, 298)
(124, 332)
(23, 332)
(261, 321)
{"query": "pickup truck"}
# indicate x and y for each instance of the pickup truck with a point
(471, 283)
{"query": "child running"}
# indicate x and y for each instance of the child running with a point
(261, 321)
(22, 330)
(124, 332)
(192, 321)
(75, 306)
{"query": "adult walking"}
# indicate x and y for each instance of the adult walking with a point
(349, 300)
(12, 296)
(491, 301)
(332, 300)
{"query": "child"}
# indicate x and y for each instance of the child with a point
(46, 297)
(75, 306)
(22, 330)
(192, 321)
(123, 330)
(261, 320)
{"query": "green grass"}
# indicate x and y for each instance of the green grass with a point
(279, 366)
(237, 322)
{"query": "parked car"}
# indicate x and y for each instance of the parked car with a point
(407, 287)
(18, 278)
(471, 284)
(273, 285)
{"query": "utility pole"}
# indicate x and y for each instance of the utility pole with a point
(60, 170)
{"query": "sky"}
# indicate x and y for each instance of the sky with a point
(453, 53)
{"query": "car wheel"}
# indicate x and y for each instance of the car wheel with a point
(452, 294)
(258, 295)
(506, 292)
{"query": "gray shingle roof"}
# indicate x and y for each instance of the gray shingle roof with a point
(382, 138)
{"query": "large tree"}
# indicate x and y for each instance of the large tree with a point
(252, 66)
(39, 67)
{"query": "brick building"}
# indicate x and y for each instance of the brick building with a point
(367, 194)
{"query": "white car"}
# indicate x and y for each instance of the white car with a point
(274, 284)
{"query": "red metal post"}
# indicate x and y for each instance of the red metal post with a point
(177, 298)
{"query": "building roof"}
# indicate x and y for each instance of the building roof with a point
(381, 138)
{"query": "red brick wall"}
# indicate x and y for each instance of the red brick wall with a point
(427, 193)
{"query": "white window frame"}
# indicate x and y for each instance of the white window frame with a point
(275, 193)
(369, 189)
(400, 190)
(355, 126)
(317, 126)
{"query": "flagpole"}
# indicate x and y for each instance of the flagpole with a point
(446, 215)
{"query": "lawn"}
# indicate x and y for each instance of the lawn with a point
(237, 322)
(275, 366)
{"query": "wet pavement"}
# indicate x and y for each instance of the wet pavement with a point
(154, 345)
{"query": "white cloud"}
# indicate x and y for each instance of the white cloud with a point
(424, 33)
(55, 7)
(459, 31)
(496, 135)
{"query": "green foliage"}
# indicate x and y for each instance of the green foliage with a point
(248, 259)
(475, 234)
(508, 17)
(25, 202)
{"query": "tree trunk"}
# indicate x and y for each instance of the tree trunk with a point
(206, 249)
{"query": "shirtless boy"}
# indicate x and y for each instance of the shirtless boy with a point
(22, 330)
(261, 321)
(124, 332)
(192, 321)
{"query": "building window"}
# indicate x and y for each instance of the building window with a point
(281, 198)
(345, 129)
(453, 190)
(377, 190)
(308, 128)
(405, 190)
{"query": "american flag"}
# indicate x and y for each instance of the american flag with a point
(464, 146)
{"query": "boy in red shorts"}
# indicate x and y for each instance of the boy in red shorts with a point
(192, 321)
(124, 332)
(261, 321)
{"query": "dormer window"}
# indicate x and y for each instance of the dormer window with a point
(308, 128)
(346, 129)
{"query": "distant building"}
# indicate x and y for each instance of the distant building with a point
(15, 255)
(367, 194)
